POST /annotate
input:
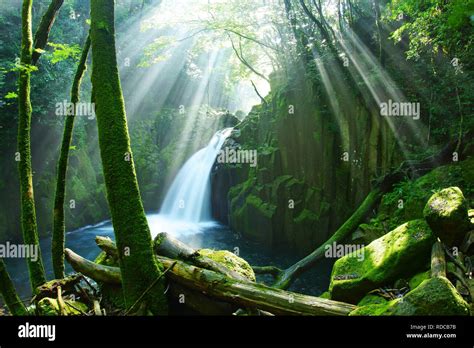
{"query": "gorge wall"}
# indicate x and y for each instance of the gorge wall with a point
(314, 166)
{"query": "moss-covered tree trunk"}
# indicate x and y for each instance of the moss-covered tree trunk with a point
(28, 214)
(138, 265)
(8, 292)
(57, 246)
(44, 28)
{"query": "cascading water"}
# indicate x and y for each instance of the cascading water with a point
(189, 197)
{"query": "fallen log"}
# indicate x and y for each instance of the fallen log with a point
(168, 246)
(243, 293)
(438, 261)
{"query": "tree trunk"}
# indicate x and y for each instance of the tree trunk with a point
(57, 246)
(28, 214)
(242, 293)
(42, 33)
(8, 292)
(137, 263)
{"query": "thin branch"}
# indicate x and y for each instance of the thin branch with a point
(242, 59)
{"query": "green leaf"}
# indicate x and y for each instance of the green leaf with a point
(11, 95)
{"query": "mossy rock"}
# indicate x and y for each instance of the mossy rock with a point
(417, 279)
(371, 300)
(446, 213)
(231, 261)
(399, 253)
(371, 310)
(49, 307)
(434, 296)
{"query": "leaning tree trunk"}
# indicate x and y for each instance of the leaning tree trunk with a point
(57, 246)
(8, 292)
(137, 263)
(286, 278)
(44, 28)
(28, 214)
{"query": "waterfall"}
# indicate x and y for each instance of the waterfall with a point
(189, 197)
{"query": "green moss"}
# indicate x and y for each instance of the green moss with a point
(306, 215)
(231, 261)
(50, 307)
(107, 260)
(266, 209)
(8, 292)
(57, 244)
(370, 310)
(446, 213)
(25, 173)
(398, 253)
(138, 266)
(434, 296)
(417, 279)
(371, 300)
(408, 198)
(326, 295)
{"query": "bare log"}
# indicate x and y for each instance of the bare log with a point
(242, 293)
(93, 270)
(438, 261)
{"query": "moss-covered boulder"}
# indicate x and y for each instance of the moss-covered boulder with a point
(231, 261)
(371, 300)
(49, 307)
(418, 278)
(434, 296)
(399, 253)
(446, 213)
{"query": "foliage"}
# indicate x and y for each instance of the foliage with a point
(63, 51)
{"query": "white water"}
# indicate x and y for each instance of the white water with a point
(187, 204)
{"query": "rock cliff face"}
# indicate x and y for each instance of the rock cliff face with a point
(314, 166)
